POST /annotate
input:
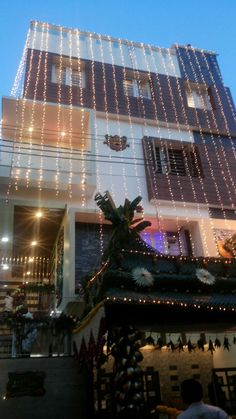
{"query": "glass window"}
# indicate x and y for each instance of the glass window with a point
(197, 97)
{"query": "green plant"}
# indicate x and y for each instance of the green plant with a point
(125, 228)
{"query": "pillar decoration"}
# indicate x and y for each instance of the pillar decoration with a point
(128, 383)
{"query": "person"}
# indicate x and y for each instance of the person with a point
(8, 303)
(192, 394)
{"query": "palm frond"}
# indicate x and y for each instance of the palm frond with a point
(141, 226)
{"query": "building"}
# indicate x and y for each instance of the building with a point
(88, 114)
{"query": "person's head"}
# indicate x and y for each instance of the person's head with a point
(191, 391)
(8, 293)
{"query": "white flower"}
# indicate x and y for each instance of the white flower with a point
(142, 277)
(204, 276)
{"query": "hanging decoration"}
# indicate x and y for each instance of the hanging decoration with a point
(128, 374)
(217, 343)
(226, 344)
(200, 344)
(211, 347)
(142, 277)
(205, 277)
(180, 345)
(191, 347)
(171, 345)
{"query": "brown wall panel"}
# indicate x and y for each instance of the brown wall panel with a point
(171, 110)
(205, 191)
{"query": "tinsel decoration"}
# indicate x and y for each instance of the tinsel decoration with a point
(200, 344)
(150, 340)
(171, 345)
(211, 346)
(128, 380)
(190, 346)
(160, 342)
(217, 343)
(226, 343)
(180, 345)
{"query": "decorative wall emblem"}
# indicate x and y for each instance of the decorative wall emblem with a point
(115, 142)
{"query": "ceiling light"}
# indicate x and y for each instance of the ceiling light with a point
(31, 260)
(5, 267)
(33, 243)
(4, 239)
(30, 129)
(39, 214)
(63, 134)
(28, 273)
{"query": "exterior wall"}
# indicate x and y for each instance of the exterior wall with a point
(102, 48)
(65, 390)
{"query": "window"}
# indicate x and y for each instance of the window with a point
(137, 88)
(198, 97)
(68, 76)
(177, 161)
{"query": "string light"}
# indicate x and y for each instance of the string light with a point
(83, 137)
(201, 219)
(117, 112)
(206, 154)
(98, 183)
(104, 76)
(44, 105)
(15, 161)
(32, 113)
(200, 93)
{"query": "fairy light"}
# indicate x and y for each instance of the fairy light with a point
(32, 119)
(221, 107)
(134, 65)
(81, 100)
(181, 189)
(133, 147)
(200, 93)
(219, 140)
(15, 164)
(133, 57)
(205, 150)
(168, 127)
(218, 137)
(201, 219)
(70, 116)
(196, 163)
(106, 113)
(20, 71)
(226, 91)
(96, 141)
(157, 203)
(40, 179)
(124, 176)
(59, 106)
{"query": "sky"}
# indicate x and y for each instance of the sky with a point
(206, 24)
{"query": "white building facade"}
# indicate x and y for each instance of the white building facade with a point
(89, 113)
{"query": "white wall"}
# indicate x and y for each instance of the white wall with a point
(92, 46)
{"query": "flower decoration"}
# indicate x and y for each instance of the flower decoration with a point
(205, 276)
(142, 277)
